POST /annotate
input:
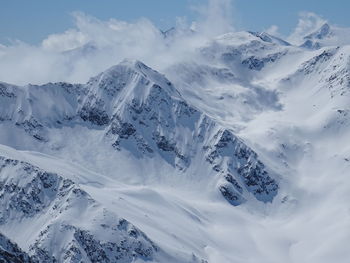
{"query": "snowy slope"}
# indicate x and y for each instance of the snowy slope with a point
(239, 156)
(141, 113)
(327, 35)
(135, 115)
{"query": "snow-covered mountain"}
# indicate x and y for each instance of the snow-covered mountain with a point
(238, 156)
(327, 35)
(139, 111)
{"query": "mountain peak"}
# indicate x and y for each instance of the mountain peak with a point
(127, 65)
(136, 76)
(133, 63)
(169, 32)
(266, 37)
(323, 32)
(130, 66)
(130, 82)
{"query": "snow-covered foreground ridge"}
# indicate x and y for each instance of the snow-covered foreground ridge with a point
(237, 156)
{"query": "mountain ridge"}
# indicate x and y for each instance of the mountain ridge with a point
(235, 156)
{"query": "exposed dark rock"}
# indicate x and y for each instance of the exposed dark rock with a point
(311, 65)
(34, 128)
(230, 195)
(94, 115)
(27, 191)
(11, 253)
(5, 91)
(244, 164)
(229, 178)
(256, 63)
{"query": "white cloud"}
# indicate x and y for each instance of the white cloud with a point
(102, 33)
(273, 30)
(308, 23)
(94, 45)
(216, 17)
(68, 40)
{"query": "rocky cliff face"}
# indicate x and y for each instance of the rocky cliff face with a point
(11, 253)
(141, 112)
(82, 229)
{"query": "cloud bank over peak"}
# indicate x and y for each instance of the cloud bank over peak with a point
(215, 17)
(94, 45)
(102, 33)
(308, 23)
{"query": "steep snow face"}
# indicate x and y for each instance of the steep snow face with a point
(142, 113)
(135, 115)
(130, 80)
(324, 32)
(331, 67)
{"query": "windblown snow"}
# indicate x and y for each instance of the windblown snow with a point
(240, 155)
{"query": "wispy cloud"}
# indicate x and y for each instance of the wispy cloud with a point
(308, 23)
(94, 45)
(273, 30)
(215, 17)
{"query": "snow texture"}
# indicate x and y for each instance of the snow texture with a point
(238, 155)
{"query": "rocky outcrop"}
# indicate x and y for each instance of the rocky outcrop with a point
(94, 234)
(140, 111)
(241, 169)
(256, 63)
(11, 253)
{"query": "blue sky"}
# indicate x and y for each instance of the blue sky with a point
(32, 21)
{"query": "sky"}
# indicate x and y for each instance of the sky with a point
(33, 21)
(72, 40)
